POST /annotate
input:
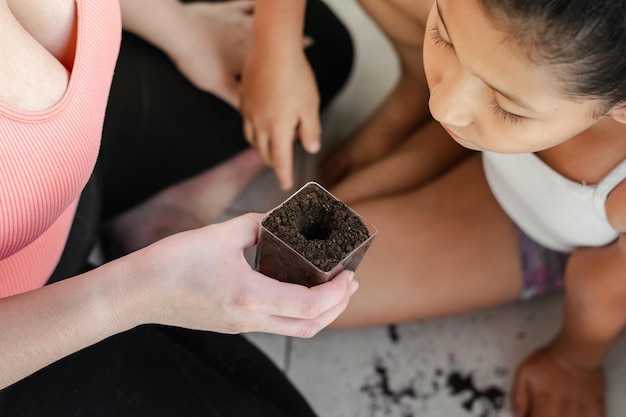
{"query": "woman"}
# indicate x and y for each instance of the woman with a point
(87, 343)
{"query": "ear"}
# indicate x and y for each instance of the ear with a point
(618, 113)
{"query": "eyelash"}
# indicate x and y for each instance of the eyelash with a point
(505, 115)
(438, 39)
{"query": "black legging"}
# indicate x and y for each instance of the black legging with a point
(157, 371)
(159, 130)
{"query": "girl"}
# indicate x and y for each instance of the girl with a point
(534, 198)
(535, 94)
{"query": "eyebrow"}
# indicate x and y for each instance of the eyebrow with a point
(509, 97)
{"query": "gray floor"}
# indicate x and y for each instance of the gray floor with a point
(454, 367)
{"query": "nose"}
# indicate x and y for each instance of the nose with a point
(454, 99)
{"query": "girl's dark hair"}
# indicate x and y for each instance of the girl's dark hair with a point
(584, 39)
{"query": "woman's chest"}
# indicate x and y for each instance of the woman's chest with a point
(52, 23)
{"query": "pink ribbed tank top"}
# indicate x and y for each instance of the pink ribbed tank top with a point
(46, 157)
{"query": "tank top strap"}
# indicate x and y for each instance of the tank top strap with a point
(608, 184)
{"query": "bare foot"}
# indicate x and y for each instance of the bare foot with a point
(190, 204)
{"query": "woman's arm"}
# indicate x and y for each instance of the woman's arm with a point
(198, 279)
(207, 41)
(164, 18)
(41, 326)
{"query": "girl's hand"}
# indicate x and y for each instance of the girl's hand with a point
(201, 280)
(279, 104)
(546, 386)
(212, 50)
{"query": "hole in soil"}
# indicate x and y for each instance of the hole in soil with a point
(316, 227)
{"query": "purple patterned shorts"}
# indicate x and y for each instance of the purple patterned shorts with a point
(543, 269)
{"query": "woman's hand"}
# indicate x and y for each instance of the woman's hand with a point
(546, 386)
(280, 103)
(213, 45)
(201, 280)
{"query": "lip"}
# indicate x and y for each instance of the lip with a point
(451, 133)
(461, 141)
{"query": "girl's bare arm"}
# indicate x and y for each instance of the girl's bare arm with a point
(279, 96)
(569, 371)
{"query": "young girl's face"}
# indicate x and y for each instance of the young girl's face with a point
(484, 91)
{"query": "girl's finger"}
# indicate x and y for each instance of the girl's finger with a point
(310, 132)
(262, 145)
(282, 155)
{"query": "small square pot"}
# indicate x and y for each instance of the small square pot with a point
(311, 237)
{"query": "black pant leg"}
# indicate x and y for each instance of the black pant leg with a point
(159, 129)
(153, 371)
(332, 54)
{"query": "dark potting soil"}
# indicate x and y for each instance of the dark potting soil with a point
(319, 227)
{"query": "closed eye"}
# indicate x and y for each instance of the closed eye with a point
(438, 39)
(505, 115)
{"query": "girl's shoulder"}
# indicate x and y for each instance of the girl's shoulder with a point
(616, 207)
(598, 155)
(616, 201)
